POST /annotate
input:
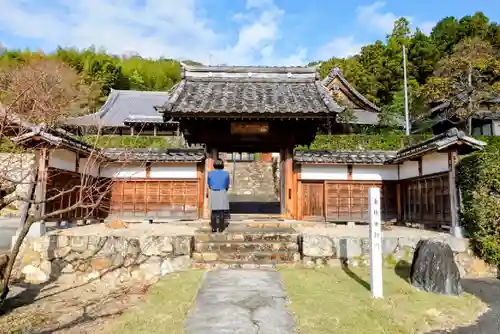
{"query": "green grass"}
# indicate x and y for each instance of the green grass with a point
(328, 300)
(165, 308)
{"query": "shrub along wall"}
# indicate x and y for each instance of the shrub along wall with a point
(387, 142)
(478, 176)
(114, 141)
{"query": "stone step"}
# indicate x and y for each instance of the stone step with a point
(235, 264)
(237, 245)
(248, 256)
(249, 235)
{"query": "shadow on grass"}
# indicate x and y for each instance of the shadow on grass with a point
(355, 277)
(403, 270)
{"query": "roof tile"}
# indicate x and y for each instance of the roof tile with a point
(150, 154)
(334, 157)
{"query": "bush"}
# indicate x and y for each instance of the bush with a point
(360, 142)
(478, 177)
(114, 141)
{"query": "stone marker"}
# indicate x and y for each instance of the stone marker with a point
(433, 268)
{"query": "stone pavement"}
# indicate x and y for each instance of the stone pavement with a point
(240, 302)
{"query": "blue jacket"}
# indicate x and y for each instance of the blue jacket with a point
(218, 180)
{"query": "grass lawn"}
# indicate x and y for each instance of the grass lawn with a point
(165, 308)
(331, 300)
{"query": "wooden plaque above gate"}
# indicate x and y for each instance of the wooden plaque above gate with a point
(244, 128)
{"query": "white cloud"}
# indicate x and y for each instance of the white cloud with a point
(169, 28)
(371, 16)
(339, 47)
(176, 29)
(374, 16)
(427, 26)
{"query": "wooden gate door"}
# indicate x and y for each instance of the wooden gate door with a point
(313, 201)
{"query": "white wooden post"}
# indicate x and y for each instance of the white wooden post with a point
(375, 243)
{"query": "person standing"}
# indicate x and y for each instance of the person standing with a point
(218, 183)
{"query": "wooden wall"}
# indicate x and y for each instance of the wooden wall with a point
(416, 192)
(155, 198)
(345, 201)
(426, 200)
(75, 189)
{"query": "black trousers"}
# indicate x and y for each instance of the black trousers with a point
(217, 220)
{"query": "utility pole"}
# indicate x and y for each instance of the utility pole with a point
(407, 112)
(469, 106)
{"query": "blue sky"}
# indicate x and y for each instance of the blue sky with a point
(234, 32)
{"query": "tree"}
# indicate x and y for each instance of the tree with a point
(36, 97)
(393, 113)
(467, 78)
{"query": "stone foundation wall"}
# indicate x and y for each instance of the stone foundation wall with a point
(319, 250)
(111, 258)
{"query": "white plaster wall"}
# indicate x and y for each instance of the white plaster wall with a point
(496, 128)
(323, 172)
(123, 170)
(375, 173)
(88, 167)
(166, 171)
(63, 159)
(408, 169)
(434, 163)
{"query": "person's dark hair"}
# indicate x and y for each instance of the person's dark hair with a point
(218, 164)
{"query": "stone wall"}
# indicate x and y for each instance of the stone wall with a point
(16, 167)
(318, 250)
(111, 258)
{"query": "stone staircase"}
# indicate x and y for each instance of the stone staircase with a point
(253, 178)
(246, 246)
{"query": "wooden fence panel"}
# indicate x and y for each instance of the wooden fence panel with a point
(348, 200)
(155, 198)
(75, 189)
(426, 200)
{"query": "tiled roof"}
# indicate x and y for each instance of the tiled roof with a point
(459, 97)
(334, 157)
(337, 73)
(125, 105)
(370, 118)
(250, 90)
(151, 154)
(440, 142)
(55, 137)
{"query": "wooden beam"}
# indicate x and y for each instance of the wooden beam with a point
(288, 183)
(41, 187)
(349, 172)
(200, 176)
(295, 190)
(452, 187)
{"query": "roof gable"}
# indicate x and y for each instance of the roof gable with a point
(453, 138)
(338, 84)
